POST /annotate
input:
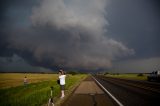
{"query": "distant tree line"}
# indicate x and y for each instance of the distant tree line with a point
(75, 72)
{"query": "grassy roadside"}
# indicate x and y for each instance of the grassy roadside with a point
(68, 92)
(35, 94)
(129, 76)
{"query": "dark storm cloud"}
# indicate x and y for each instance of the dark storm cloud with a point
(70, 34)
(14, 14)
(88, 34)
(63, 48)
(146, 65)
(16, 63)
(137, 24)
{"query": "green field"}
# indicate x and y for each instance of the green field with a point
(36, 93)
(129, 76)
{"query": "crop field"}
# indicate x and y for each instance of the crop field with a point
(129, 76)
(36, 93)
(16, 79)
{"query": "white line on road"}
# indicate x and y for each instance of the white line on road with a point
(116, 100)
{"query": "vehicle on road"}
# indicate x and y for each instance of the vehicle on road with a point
(154, 76)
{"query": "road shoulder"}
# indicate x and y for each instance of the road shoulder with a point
(88, 93)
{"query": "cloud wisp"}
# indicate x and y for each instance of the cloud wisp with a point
(70, 33)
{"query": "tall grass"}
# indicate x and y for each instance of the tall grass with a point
(34, 94)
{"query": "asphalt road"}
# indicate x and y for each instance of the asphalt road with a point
(131, 92)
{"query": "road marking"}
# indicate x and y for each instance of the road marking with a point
(115, 99)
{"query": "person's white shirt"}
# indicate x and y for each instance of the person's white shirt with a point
(62, 79)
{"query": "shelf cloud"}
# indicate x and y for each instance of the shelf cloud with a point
(70, 33)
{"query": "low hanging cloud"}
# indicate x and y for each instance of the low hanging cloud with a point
(70, 33)
(16, 63)
(146, 65)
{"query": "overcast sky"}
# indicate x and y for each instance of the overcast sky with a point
(113, 35)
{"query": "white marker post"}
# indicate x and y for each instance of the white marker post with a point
(50, 102)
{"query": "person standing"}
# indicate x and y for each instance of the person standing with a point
(25, 81)
(62, 77)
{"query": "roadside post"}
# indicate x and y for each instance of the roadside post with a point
(50, 102)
